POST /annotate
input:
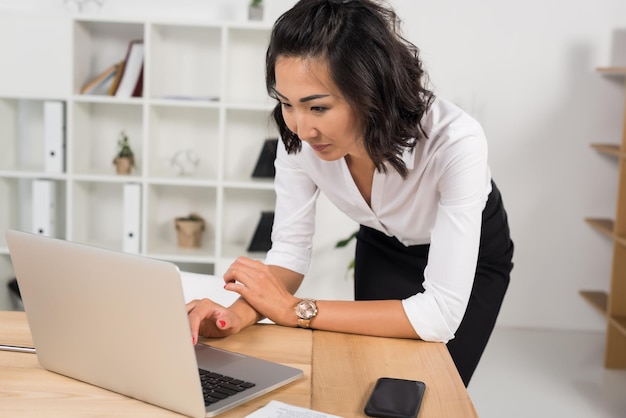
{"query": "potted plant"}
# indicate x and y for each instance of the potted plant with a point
(124, 161)
(255, 11)
(344, 243)
(189, 230)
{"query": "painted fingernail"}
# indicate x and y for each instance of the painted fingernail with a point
(222, 323)
(193, 340)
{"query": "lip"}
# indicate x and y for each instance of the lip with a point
(320, 147)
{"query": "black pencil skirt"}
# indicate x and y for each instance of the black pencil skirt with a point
(387, 269)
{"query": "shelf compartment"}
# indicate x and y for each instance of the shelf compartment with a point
(597, 299)
(246, 132)
(100, 44)
(17, 197)
(165, 203)
(175, 131)
(12, 193)
(97, 214)
(96, 132)
(185, 61)
(245, 60)
(242, 217)
(22, 135)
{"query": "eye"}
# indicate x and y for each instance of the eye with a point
(285, 105)
(318, 109)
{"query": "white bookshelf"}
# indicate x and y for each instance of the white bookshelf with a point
(218, 66)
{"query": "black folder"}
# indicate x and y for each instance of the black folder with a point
(265, 164)
(262, 239)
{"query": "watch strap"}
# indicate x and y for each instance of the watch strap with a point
(304, 323)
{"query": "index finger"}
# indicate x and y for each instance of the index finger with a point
(197, 311)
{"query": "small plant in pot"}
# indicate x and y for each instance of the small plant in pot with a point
(255, 10)
(189, 230)
(124, 161)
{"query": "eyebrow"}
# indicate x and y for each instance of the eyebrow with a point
(304, 99)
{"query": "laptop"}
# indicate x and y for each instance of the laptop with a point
(119, 321)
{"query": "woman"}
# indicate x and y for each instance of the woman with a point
(433, 253)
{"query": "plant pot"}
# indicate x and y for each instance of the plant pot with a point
(255, 12)
(123, 165)
(189, 232)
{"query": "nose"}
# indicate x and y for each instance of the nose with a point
(304, 127)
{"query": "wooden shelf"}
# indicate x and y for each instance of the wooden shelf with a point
(598, 299)
(612, 303)
(615, 71)
(606, 227)
(602, 225)
(620, 323)
(609, 149)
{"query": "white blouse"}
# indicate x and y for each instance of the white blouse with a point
(440, 202)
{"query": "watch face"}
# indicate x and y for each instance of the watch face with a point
(306, 309)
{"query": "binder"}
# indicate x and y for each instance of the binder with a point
(132, 218)
(264, 167)
(262, 238)
(54, 136)
(44, 207)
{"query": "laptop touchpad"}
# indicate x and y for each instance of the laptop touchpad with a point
(212, 357)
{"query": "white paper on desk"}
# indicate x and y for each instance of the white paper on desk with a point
(276, 409)
(198, 286)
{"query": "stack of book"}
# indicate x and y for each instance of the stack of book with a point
(121, 79)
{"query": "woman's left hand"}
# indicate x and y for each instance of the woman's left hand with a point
(254, 281)
(210, 319)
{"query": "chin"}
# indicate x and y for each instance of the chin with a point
(328, 156)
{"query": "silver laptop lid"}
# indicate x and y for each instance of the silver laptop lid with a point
(91, 320)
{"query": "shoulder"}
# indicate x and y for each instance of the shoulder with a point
(450, 128)
(444, 116)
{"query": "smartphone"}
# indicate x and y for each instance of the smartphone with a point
(395, 398)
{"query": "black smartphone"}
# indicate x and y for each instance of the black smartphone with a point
(395, 398)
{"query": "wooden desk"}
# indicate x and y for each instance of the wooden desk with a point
(339, 373)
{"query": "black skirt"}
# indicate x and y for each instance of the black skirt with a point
(387, 269)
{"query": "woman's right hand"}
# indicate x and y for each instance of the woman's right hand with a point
(210, 319)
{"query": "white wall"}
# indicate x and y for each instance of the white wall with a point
(525, 70)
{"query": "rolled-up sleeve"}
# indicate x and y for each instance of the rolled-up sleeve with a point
(294, 217)
(464, 185)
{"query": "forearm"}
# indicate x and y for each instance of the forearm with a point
(290, 279)
(247, 314)
(383, 318)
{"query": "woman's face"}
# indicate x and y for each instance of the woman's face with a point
(314, 108)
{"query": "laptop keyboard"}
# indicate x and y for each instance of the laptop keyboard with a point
(216, 387)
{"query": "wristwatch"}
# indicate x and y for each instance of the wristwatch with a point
(306, 310)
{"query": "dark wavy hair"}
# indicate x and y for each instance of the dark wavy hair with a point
(378, 71)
